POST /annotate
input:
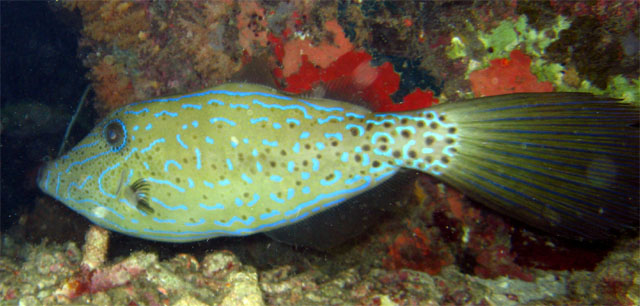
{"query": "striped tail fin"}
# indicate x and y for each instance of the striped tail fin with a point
(564, 162)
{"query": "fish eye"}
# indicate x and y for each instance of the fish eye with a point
(116, 134)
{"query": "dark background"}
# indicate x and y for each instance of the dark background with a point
(42, 79)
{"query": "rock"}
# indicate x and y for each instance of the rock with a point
(244, 289)
(218, 264)
(188, 301)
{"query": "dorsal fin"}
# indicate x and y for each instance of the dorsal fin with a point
(257, 71)
(342, 89)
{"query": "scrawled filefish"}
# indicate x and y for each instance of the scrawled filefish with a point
(239, 159)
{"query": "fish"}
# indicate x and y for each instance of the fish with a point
(239, 159)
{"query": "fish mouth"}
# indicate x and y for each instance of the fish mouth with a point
(43, 174)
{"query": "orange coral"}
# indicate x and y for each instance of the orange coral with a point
(206, 51)
(116, 22)
(321, 55)
(111, 85)
(506, 76)
(252, 25)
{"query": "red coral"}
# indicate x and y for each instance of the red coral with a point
(321, 55)
(416, 251)
(506, 76)
(481, 239)
(498, 261)
(305, 65)
(354, 72)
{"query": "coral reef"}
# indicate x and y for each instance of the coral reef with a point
(507, 76)
(54, 274)
(439, 248)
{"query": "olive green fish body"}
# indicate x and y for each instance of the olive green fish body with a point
(234, 160)
(239, 159)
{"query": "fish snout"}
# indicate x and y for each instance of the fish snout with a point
(43, 176)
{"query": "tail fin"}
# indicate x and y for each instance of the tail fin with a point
(564, 162)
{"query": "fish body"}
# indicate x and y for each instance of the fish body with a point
(239, 159)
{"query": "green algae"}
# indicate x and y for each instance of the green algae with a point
(510, 35)
(618, 86)
(536, 42)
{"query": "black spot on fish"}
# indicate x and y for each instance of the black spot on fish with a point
(433, 125)
(428, 159)
(429, 141)
(413, 154)
(396, 154)
(445, 159)
(357, 158)
(442, 118)
(283, 153)
(375, 164)
(451, 130)
(354, 131)
(405, 134)
(429, 116)
(404, 121)
(177, 180)
(387, 124)
(334, 143)
(366, 148)
(307, 146)
(369, 126)
(272, 164)
(449, 140)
